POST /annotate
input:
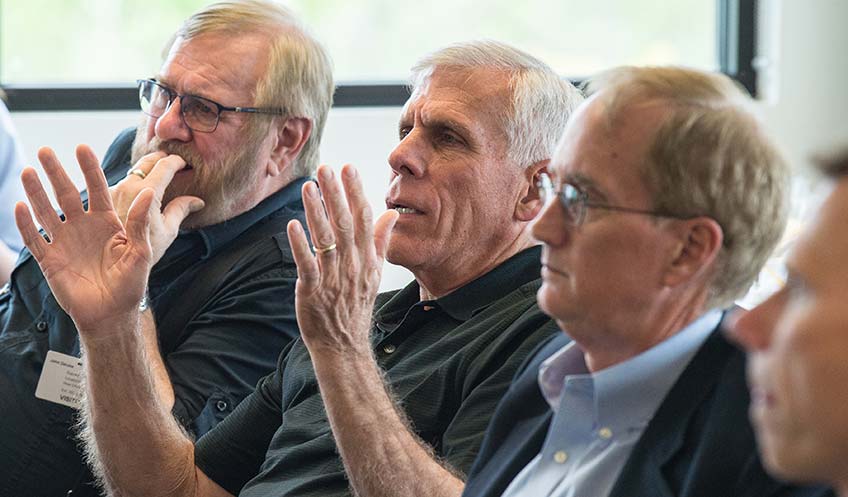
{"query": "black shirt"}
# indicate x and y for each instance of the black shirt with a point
(223, 301)
(449, 361)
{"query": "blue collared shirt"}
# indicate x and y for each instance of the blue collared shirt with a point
(599, 417)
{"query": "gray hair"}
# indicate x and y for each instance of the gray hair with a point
(299, 78)
(710, 157)
(541, 102)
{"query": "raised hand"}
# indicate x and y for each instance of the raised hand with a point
(337, 285)
(96, 267)
(156, 171)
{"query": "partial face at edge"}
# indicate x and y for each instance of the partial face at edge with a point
(798, 355)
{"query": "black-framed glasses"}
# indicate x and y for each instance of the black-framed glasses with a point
(575, 202)
(198, 113)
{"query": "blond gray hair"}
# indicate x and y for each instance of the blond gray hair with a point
(710, 157)
(299, 78)
(541, 101)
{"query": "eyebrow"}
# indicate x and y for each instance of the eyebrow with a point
(161, 79)
(586, 184)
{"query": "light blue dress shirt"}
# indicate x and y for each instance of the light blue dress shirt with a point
(598, 418)
(11, 190)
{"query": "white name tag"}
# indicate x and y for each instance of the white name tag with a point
(61, 379)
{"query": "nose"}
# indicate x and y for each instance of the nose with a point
(753, 330)
(550, 226)
(409, 157)
(171, 126)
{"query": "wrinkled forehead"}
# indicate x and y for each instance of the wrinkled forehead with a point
(480, 90)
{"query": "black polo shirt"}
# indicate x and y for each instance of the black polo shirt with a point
(223, 301)
(449, 361)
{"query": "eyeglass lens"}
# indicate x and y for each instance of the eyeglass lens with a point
(198, 113)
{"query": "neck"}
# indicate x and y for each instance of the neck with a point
(614, 346)
(440, 281)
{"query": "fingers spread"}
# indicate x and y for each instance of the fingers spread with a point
(138, 220)
(360, 209)
(98, 190)
(41, 206)
(319, 228)
(29, 233)
(65, 190)
(337, 209)
(308, 275)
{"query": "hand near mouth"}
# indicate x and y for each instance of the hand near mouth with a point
(337, 285)
(156, 171)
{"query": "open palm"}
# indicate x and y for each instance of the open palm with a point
(96, 267)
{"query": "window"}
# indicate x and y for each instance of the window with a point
(85, 54)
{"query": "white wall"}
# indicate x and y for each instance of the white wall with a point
(804, 87)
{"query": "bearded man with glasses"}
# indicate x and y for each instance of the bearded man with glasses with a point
(226, 179)
(665, 198)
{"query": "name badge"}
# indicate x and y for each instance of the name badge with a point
(61, 380)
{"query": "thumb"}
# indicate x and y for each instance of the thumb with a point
(383, 231)
(178, 209)
(138, 218)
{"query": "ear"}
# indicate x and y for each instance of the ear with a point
(530, 203)
(289, 138)
(699, 242)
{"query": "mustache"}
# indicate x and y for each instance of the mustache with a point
(176, 148)
(192, 158)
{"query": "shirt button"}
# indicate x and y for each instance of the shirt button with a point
(605, 433)
(41, 325)
(560, 456)
(221, 405)
(389, 348)
(428, 307)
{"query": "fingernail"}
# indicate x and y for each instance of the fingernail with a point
(326, 173)
(197, 205)
(310, 190)
(351, 172)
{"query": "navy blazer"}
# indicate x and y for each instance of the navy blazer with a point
(699, 443)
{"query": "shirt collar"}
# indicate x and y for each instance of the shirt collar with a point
(216, 236)
(471, 298)
(630, 392)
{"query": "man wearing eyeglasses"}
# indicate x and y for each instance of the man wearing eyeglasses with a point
(386, 395)
(664, 200)
(230, 134)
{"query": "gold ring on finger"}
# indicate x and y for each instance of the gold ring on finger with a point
(324, 250)
(138, 172)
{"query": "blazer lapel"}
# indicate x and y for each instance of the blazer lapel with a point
(643, 474)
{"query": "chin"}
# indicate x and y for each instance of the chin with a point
(404, 251)
(550, 301)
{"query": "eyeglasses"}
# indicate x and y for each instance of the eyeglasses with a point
(198, 113)
(576, 202)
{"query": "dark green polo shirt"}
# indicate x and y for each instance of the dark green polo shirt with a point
(449, 361)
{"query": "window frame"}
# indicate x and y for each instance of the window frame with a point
(735, 37)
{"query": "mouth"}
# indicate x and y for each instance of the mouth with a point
(552, 270)
(401, 208)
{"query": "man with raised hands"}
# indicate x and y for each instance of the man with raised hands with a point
(230, 131)
(388, 394)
